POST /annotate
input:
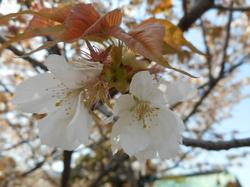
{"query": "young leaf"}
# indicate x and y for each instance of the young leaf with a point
(145, 39)
(67, 24)
(105, 24)
(173, 38)
(80, 18)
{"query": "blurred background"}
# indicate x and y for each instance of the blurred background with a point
(215, 150)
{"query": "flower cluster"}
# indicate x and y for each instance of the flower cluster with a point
(146, 127)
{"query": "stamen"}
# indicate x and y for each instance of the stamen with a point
(144, 110)
(60, 101)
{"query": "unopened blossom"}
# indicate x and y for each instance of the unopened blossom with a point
(61, 94)
(146, 127)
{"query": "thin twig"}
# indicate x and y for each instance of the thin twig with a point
(208, 54)
(38, 164)
(225, 47)
(35, 63)
(15, 145)
(111, 166)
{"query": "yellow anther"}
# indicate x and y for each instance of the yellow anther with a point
(58, 103)
(144, 110)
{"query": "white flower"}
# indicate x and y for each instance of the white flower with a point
(146, 127)
(177, 91)
(61, 95)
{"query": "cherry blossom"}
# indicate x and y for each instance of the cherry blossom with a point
(61, 94)
(146, 127)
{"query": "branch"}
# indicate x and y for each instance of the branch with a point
(111, 166)
(208, 53)
(15, 145)
(200, 8)
(19, 53)
(54, 49)
(225, 47)
(218, 145)
(38, 164)
(212, 83)
(240, 9)
(195, 13)
(66, 171)
(237, 65)
(177, 163)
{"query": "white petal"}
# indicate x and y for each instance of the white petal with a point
(123, 103)
(115, 137)
(72, 77)
(144, 155)
(178, 91)
(39, 94)
(79, 126)
(145, 88)
(128, 135)
(53, 129)
(134, 139)
(165, 131)
(117, 129)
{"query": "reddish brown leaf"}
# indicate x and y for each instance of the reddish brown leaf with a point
(104, 24)
(145, 39)
(81, 17)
